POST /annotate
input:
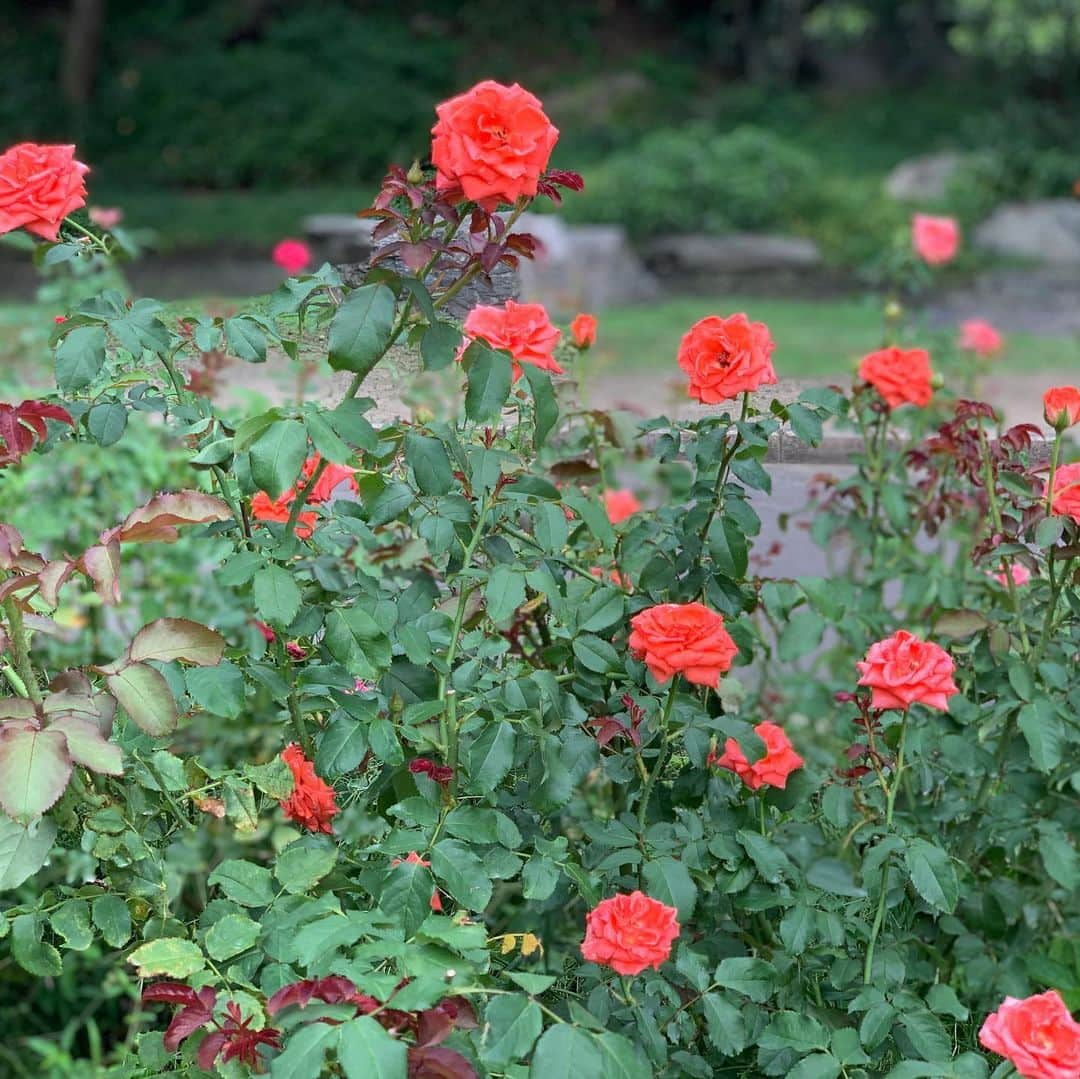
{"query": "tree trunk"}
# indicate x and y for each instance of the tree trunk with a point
(82, 49)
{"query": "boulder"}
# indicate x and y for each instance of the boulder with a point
(923, 179)
(1048, 231)
(582, 267)
(699, 255)
(338, 238)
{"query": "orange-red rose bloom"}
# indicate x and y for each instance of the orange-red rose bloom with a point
(1061, 406)
(620, 504)
(1037, 1034)
(629, 933)
(265, 508)
(772, 770)
(39, 187)
(333, 476)
(935, 239)
(683, 638)
(311, 803)
(522, 329)
(901, 375)
(724, 357)
(903, 670)
(583, 330)
(979, 337)
(1065, 498)
(493, 142)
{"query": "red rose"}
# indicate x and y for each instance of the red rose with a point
(522, 329)
(620, 505)
(39, 187)
(901, 375)
(1065, 500)
(629, 933)
(265, 508)
(683, 638)
(935, 239)
(902, 670)
(1061, 406)
(772, 770)
(1037, 1034)
(292, 256)
(724, 357)
(333, 475)
(312, 801)
(493, 142)
(583, 330)
(979, 337)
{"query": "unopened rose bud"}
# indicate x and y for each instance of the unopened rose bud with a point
(415, 174)
(893, 310)
(424, 414)
(937, 380)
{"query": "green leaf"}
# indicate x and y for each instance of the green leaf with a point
(246, 339)
(932, 874)
(144, 694)
(927, 1035)
(243, 882)
(367, 1051)
(439, 345)
(514, 1023)
(174, 956)
(253, 428)
(278, 455)
(23, 849)
(407, 895)
(943, 1000)
(219, 690)
(816, 1066)
(489, 379)
(534, 984)
(169, 639)
(326, 440)
(34, 770)
(805, 424)
(832, 875)
(801, 635)
(725, 1024)
(391, 502)
(304, 1056)
(72, 921)
(341, 747)
(504, 592)
(361, 328)
(564, 1050)
(545, 406)
(277, 595)
(461, 873)
(86, 745)
(771, 862)
(538, 878)
(1058, 855)
(669, 881)
(110, 915)
(1045, 733)
(790, 1030)
(753, 978)
(30, 952)
(355, 640)
(490, 757)
(231, 935)
(430, 464)
(273, 778)
(80, 357)
(595, 654)
(106, 422)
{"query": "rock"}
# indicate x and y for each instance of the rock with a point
(339, 237)
(923, 179)
(582, 267)
(1048, 231)
(698, 255)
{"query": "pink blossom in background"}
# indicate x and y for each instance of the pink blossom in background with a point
(105, 217)
(978, 336)
(935, 239)
(1020, 575)
(292, 256)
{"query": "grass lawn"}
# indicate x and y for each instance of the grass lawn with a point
(814, 338)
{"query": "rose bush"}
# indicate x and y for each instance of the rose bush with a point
(425, 749)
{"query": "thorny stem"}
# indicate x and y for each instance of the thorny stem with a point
(661, 755)
(890, 805)
(722, 471)
(20, 649)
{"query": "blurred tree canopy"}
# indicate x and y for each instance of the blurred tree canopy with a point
(242, 93)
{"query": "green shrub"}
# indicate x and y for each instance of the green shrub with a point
(692, 179)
